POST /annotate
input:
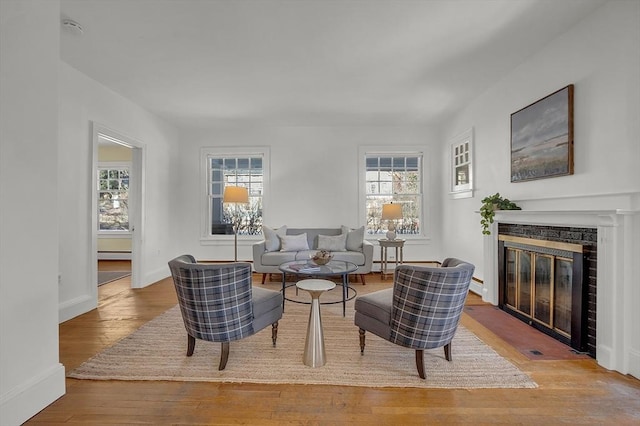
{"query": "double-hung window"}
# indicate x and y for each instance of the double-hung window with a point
(232, 167)
(394, 177)
(113, 197)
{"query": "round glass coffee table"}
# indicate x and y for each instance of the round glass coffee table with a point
(305, 268)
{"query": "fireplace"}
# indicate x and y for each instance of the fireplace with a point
(546, 279)
(611, 253)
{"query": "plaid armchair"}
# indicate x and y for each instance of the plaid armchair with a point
(421, 311)
(219, 304)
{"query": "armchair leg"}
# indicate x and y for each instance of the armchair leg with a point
(420, 363)
(362, 278)
(274, 332)
(264, 277)
(447, 351)
(361, 341)
(224, 356)
(191, 344)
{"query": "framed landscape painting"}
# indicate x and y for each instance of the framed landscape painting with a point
(542, 138)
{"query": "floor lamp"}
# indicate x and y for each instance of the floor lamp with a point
(235, 195)
(390, 213)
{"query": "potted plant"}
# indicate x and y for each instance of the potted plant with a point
(490, 204)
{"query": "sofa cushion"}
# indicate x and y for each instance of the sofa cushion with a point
(293, 242)
(332, 242)
(277, 258)
(271, 237)
(356, 257)
(355, 238)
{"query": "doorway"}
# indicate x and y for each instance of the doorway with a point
(117, 200)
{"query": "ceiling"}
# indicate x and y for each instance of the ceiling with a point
(203, 63)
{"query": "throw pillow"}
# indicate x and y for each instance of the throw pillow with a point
(332, 242)
(294, 242)
(271, 240)
(355, 237)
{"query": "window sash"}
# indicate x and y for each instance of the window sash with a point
(113, 198)
(397, 178)
(235, 170)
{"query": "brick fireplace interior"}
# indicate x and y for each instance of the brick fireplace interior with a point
(547, 277)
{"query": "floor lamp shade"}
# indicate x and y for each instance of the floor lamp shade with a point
(391, 212)
(235, 195)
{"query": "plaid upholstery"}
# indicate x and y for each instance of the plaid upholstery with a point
(215, 300)
(428, 302)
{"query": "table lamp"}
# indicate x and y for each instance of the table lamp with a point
(235, 195)
(390, 213)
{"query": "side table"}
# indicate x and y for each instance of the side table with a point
(314, 354)
(398, 244)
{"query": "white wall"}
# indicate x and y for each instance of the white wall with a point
(314, 180)
(83, 101)
(31, 376)
(600, 57)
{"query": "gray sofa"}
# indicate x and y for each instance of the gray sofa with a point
(267, 261)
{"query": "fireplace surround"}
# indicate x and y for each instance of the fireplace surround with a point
(617, 345)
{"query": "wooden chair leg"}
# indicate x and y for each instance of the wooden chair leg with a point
(264, 277)
(447, 351)
(224, 355)
(362, 278)
(191, 344)
(420, 363)
(362, 341)
(274, 332)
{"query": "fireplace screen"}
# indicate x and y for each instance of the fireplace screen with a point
(542, 293)
(538, 284)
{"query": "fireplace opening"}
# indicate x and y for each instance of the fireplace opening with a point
(545, 283)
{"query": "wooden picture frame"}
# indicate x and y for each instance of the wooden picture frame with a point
(542, 138)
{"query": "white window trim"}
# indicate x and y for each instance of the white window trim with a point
(114, 165)
(235, 151)
(461, 191)
(424, 152)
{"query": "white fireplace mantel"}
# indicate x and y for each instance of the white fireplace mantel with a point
(618, 277)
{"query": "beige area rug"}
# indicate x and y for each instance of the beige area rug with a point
(157, 350)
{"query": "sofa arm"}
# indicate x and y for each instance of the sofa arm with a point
(367, 250)
(259, 249)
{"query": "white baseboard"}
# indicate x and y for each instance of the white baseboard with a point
(74, 307)
(26, 400)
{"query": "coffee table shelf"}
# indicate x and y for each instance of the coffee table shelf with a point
(305, 268)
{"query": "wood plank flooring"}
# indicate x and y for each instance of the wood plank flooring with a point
(574, 392)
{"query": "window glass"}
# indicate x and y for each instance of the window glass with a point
(113, 199)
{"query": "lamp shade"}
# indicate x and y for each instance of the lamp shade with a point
(235, 194)
(391, 211)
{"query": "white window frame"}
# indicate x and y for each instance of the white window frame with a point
(205, 213)
(463, 141)
(112, 165)
(405, 150)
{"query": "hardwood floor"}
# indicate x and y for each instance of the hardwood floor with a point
(574, 392)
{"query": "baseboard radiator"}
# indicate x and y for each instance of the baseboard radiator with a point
(114, 255)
